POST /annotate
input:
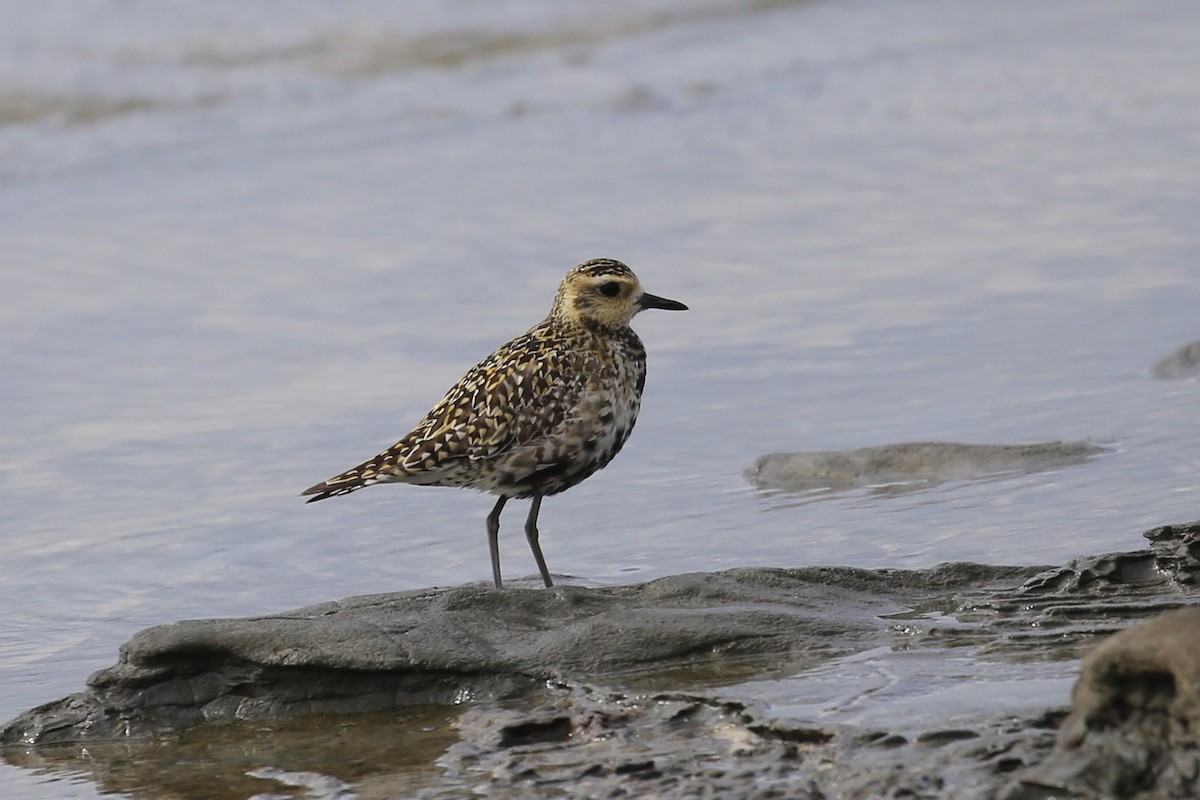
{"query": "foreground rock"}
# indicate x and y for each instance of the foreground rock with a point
(1134, 725)
(607, 693)
(910, 466)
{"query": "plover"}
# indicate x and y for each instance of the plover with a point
(539, 415)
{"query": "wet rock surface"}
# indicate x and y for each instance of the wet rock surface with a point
(675, 745)
(379, 652)
(910, 466)
(643, 690)
(668, 745)
(1183, 363)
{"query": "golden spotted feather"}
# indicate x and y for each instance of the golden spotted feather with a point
(537, 416)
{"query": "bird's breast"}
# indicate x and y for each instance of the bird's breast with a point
(610, 406)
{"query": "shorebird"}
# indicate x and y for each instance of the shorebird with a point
(539, 415)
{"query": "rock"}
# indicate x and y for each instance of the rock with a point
(1171, 560)
(1134, 726)
(592, 744)
(587, 743)
(1183, 363)
(910, 466)
(1147, 676)
(442, 646)
(641, 691)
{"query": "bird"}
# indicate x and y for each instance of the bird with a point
(539, 415)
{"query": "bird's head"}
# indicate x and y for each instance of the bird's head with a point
(605, 293)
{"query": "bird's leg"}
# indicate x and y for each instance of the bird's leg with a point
(493, 530)
(531, 533)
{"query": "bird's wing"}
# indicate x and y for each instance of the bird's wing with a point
(520, 393)
(510, 403)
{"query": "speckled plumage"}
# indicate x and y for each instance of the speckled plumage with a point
(537, 416)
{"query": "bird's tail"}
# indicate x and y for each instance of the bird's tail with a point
(349, 481)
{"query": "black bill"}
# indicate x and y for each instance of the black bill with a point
(648, 300)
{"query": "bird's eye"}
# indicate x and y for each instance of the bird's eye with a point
(610, 289)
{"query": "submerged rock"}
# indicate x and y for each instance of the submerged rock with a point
(1183, 363)
(911, 465)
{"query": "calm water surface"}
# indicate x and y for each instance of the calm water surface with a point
(243, 253)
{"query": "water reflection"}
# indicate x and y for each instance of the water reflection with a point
(319, 758)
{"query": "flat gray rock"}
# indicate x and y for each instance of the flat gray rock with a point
(910, 466)
(380, 652)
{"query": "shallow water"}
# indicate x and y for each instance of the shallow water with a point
(242, 253)
(335, 757)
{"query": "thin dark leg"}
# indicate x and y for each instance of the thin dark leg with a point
(493, 529)
(531, 533)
